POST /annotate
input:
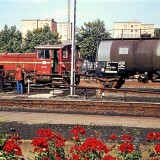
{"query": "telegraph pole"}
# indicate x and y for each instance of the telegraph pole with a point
(72, 88)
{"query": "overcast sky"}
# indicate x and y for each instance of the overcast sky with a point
(109, 11)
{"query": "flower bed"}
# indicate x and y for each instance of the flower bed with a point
(49, 145)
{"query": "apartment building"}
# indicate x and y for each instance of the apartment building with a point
(63, 28)
(32, 24)
(132, 29)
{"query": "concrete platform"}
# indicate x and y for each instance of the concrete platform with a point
(97, 120)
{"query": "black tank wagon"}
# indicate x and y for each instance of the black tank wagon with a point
(129, 57)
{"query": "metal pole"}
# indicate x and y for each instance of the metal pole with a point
(72, 89)
(28, 85)
(68, 28)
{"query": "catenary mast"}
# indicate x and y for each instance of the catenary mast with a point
(72, 88)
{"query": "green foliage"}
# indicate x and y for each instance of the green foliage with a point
(39, 36)
(10, 39)
(88, 37)
(3, 137)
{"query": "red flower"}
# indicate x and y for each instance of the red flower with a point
(109, 158)
(153, 136)
(126, 137)
(78, 129)
(112, 137)
(93, 144)
(75, 157)
(11, 147)
(58, 139)
(14, 137)
(126, 147)
(46, 133)
(157, 148)
(40, 144)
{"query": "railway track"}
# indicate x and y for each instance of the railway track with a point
(80, 105)
(91, 99)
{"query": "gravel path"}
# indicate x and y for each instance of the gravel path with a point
(27, 131)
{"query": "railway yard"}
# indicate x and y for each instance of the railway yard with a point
(133, 99)
(135, 108)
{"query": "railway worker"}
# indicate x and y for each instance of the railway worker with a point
(19, 80)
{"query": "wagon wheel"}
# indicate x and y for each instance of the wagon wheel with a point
(77, 79)
(154, 77)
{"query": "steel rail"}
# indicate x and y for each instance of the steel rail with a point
(81, 106)
(137, 90)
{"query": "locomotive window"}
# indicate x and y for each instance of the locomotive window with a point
(40, 54)
(47, 55)
(43, 54)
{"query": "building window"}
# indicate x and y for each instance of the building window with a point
(131, 30)
(131, 26)
(135, 26)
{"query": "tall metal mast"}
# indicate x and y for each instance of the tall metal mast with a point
(72, 88)
(68, 30)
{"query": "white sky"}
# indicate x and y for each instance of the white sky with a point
(109, 11)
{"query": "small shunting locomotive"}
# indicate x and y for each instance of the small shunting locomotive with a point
(49, 64)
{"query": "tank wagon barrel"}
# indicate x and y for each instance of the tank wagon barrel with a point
(129, 57)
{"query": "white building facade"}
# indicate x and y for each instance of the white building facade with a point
(63, 28)
(132, 29)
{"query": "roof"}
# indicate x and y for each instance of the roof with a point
(55, 46)
(48, 46)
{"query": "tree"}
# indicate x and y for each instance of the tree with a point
(88, 37)
(39, 36)
(10, 39)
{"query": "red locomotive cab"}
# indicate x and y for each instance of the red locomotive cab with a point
(55, 64)
(43, 67)
(50, 64)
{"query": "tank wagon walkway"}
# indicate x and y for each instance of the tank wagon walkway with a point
(71, 119)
